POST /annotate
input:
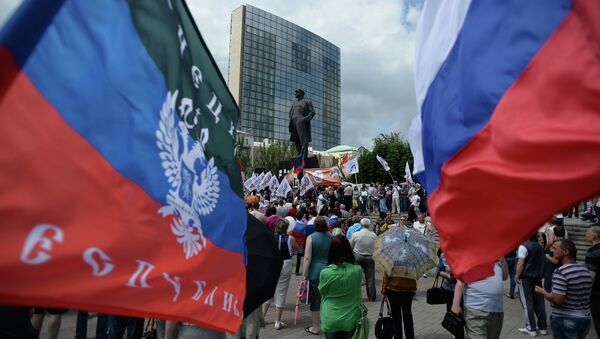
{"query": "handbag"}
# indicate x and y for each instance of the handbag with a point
(453, 323)
(384, 327)
(362, 325)
(436, 294)
(150, 330)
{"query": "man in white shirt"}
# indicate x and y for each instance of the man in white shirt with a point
(529, 273)
(348, 191)
(415, 201)
(256, 213)
(281, 210)
(363, 244)
(483, 309)
(419, 225)
(395, 198)
(373, 203)
(413, 209)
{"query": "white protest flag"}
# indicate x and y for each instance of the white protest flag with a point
(258, 180)
(265, 181)
(407, 174)
(350, 167)
(273, 184)
(249, 184)
(305, 185)
(284, 188)
(383, 163)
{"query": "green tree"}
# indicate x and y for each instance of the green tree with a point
(244, 155)
(395, 150)
(268, 157)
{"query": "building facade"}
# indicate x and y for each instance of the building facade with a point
(269, 58)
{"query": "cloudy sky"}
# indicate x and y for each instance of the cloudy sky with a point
(376, 38)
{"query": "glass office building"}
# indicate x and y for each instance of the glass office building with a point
(269, 58)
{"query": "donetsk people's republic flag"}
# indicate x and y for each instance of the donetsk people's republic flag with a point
(119, 190)
(509, 125)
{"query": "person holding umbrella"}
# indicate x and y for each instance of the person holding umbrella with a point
(405, 255)
(315, 259)
(400, 292)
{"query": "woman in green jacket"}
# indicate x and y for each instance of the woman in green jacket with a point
(340, 291)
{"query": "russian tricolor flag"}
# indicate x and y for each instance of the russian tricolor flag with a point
(509, 126)
(119, 190)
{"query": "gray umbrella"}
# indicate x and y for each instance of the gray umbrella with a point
(404, 252)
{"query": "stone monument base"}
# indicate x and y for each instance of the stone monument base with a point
(309, 162)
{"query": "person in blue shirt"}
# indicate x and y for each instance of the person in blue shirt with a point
(358, 223)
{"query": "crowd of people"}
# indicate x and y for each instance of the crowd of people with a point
(334, 242)
(543, 267)
(334, 247)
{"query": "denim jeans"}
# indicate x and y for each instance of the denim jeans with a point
(382, 205)
(188, 331)
(404, 204)
(548, 271)
(374, 205)
(363, 207)
(570, 327)
(512, 270)
(339, 335)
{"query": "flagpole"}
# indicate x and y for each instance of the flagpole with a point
(390, 173)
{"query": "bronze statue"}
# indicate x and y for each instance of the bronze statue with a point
(301, 114)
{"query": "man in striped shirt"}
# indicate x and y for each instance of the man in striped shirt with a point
(571, 291)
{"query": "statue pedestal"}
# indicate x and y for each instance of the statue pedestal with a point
(309, 162)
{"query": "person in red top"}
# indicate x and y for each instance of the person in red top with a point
(292, 211)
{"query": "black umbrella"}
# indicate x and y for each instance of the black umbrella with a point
(264, 265)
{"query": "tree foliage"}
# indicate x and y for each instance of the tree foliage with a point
(268, 157)
(244, 155)
(395, 150)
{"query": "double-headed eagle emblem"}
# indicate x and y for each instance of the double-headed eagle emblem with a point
(190, 195)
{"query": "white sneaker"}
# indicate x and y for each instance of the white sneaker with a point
(279, 325)
(543, 332)
(528, 332)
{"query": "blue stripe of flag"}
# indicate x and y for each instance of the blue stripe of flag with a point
(88, 61)
(498, 40)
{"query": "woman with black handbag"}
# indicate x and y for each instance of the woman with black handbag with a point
(400, 293)
(448, 285)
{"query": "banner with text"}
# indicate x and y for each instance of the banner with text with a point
(119, 189)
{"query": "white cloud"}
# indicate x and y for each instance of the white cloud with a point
(376, 38)
(7, 7)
